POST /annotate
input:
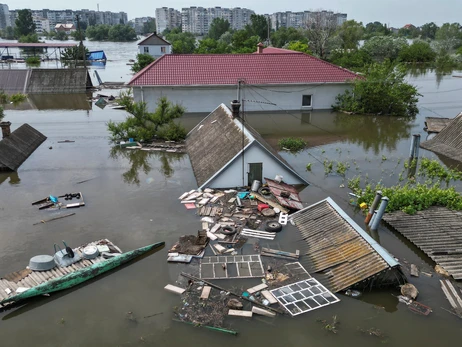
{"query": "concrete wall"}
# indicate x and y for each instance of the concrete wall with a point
(155, 51)
(232, 176)
(206, 99)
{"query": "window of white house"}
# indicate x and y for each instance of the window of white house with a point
(162, 49)
(146, 49)
(306, 100)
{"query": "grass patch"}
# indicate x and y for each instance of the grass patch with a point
(33, 61)
(17, 98)
(292, 144)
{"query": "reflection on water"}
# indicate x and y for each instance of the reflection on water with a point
(375, 133)
(13, 176)
(43, 102)
(139, 161)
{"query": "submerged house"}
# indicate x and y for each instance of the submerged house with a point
(225, 152)
(155, 46)
(17, 146)
(273, 81)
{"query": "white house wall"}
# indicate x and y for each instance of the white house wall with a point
(232, 176)
(155, 50)
(206, 99)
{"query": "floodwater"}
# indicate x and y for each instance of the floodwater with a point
(132, 199)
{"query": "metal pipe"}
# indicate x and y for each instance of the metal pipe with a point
(375, 203)
(417, 145)
(380, 213)
(411, 150)
(374, 215)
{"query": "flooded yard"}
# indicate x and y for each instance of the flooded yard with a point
(132, 199)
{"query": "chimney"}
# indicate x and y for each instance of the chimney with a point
(6, 131)
(260, 47)
(235, 106)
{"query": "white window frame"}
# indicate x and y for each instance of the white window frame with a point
(163, 49)
(145, 49)
(311, 101)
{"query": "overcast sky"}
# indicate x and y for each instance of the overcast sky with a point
(394, 12)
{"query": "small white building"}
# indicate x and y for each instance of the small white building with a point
(67, 28)
(227, 153)
(155, 46)
(271, 80)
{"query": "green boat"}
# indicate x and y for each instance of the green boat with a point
(81, 275)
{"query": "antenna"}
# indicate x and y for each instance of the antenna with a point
(97, 5)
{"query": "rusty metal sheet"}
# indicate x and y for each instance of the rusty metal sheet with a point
(293, 201)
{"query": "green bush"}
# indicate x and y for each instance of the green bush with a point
(172, 131)
(2, 113)
(142, 60)
(17, 98)
(292, 144)
(33, 61)
(418, 52)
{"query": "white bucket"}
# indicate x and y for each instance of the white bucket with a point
(255, 185)
(278, 178)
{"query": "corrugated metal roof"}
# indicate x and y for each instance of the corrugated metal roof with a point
(96, 55)
(14, 81)
(437, 231)
(17, 147)
(338, 246)
(35, 45)
(228, 69)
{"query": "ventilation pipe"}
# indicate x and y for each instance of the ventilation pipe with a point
(380, 213)
(375, 203)
(260, 47)
(6, 131)
(235, 107)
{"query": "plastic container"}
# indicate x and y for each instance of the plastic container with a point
(278, 178)
(42, 263)
(131, 139)
(255, 185)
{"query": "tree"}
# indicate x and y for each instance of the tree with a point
(428, 31)
(384, 47)
(351, 59)
(350, 32)
(258, 26)
(227, 38)
(76, 35)
(144, 125)
(149, 27)
(211, 46)
(448, 37)
(283, 36)
(182, 43)
(61, 35)
(121, 33)
(244, 42)
(8, 33)
(142, 60)
(376, 29)
(218, 27)
(417, 52)
(321, 28)
(24, 23)
(299, 47)
(74, 53)
(410, 32)
(31, 38)
(384, 91)
(98, 32)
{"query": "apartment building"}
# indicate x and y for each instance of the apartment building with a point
(167, 18)
(41, 24)
(290, 19)
(138, 23)
(5, 20)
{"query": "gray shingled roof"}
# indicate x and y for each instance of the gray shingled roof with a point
(17, 147)
(13, 81)
(153, 40)
(58, 81)
(213, 143)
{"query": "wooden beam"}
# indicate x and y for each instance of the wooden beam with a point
(272, 203)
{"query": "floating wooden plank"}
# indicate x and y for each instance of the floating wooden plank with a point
(205, 292)
(257, 288)
(220, 236)
(272, 203)
(215, 228)
(270, 252)
(174, 289)
(238, 313)
(220, 249)
(452, 295)
(184, 195)
(205, 226)
(414, 271)
(262, 312)
(55, 218)
(268, 296)
(211, 236)
(435, 124)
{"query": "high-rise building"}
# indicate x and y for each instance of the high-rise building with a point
(290, 19)
(41, 24)
(138, 23)
(167, 18)
(5, 20)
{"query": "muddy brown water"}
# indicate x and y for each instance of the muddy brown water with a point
(132, 199)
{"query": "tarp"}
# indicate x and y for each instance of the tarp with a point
(96, 55)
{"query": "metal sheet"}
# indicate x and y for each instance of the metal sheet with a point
(238, 266)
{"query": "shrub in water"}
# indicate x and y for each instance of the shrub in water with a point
(292, 144)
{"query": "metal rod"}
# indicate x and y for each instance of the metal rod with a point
(411, 149)
(417, 145)
(375, 203)
(380, 213)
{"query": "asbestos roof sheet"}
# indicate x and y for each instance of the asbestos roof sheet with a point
(18, 146)
(14, 81)
(228, 69)
(437, 231)
(338, 246)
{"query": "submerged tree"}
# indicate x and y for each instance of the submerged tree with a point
(321, 28)
(144, 125)
(24, 24)
(74, 53)
(384, 91)
(142, 60)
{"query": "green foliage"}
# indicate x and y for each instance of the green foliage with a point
(61, 35)
(351, 59)
(74, 53)
(299, 47)
(24, 24)
(308, 167)
(7, 33)
(448, 37)
(218, 27)
(33, 61)
(459, 51)
(350, 33)
(182, 43)
(383, 92)
(244, 42)
(142, 60)
(283, 36)
(411, 32)
(144, 125)
(258, 26)
(149, 27)
(2, 113)
(381, 48)
(17, 98)
(434, 170)
(292, 144)
(417, 52)
(211, 46)
(428, 31)
(328, 166)
(342, 167)
(98, 32)
(30, 38)
(376, 29)
(121, 33)
(4, 99)
(76, 35)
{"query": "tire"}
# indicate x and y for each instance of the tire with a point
(228, 230)
(273, 226)
(264, 191)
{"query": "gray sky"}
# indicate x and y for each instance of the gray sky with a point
(395, 12)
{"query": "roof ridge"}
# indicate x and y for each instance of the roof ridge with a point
(139, 73)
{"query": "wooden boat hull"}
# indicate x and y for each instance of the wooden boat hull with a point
(82, 275)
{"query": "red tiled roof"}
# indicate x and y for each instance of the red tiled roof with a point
(228, 69)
